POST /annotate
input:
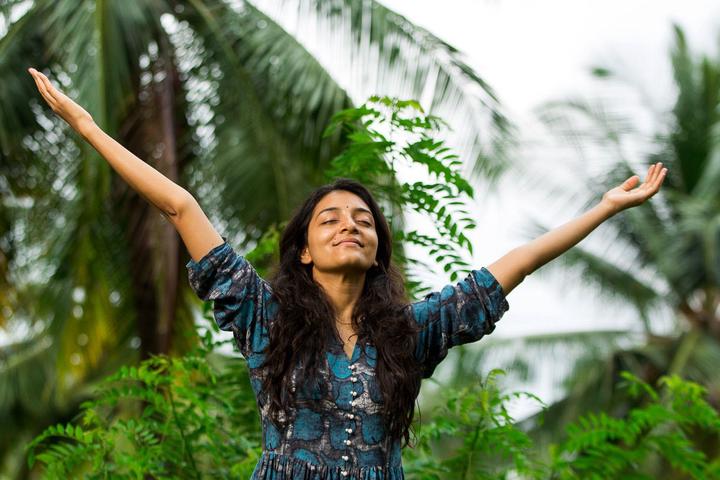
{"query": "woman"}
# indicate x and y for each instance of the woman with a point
(335, 351)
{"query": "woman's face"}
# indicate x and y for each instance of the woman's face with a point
(338, 217)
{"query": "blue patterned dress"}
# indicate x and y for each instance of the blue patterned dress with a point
(344, 437)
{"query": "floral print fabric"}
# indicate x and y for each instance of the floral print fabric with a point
(340, 436)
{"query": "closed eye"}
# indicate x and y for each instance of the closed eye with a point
(364, 221)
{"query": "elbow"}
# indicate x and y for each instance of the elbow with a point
(527, 262)
(179, 204)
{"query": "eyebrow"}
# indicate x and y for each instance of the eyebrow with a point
(356, 209)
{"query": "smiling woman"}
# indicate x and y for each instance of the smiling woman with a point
(332, 407)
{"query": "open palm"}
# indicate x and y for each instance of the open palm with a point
(625, 196)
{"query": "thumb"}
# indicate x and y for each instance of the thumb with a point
(629, 183)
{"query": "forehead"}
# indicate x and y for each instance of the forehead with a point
(340, 199)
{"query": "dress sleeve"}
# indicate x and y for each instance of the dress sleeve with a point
(239, 295)
(457, 314)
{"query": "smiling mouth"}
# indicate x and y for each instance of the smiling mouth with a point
(348, 243)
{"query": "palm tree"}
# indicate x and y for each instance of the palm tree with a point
(220, 98)
(659, 258)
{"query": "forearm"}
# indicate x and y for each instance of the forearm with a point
(551, 244)
(155, 187)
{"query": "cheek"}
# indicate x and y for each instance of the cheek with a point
(321, 239)
(375, 242)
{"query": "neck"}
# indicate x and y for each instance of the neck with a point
(343, 289)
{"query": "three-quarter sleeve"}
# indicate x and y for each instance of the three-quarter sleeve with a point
(238, 293)
(457, 314)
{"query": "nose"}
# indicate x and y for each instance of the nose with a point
(347, 223)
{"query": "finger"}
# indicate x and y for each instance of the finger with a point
(656, 173)
(37, 82)
(40, 86)
(657, 176)
(658, 181)
(627, 185)
(651, 177)
(43, 91)
(651, 173)
(48, 86)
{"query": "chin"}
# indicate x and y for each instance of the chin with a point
(354, 265)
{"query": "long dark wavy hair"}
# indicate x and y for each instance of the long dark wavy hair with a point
(305, 321)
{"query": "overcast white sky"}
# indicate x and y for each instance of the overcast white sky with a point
(531, 52)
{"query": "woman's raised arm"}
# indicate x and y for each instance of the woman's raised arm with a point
(515, 265)
(173, 201)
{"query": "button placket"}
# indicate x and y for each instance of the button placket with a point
(350, 416)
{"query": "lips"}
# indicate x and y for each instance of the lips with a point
(349, 240)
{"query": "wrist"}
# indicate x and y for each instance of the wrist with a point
(608, 208)
(85, 126)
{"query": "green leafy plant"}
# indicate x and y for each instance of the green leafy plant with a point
(483, 441)
(187, 417)
(471, 435)
(386, 133)
(192, 418)
(670, 430)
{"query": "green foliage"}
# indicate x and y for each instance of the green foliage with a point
(386, 132)
(267, 250)
(485, 443)
(195, 417)
(670, 426)
(188, 417)
(669, 430)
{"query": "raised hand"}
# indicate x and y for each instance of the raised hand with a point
(76, 116)
(625, 196)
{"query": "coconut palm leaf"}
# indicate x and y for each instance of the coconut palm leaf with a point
(661, 255)
(369, 48)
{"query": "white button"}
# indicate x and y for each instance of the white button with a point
(353, 379)
(349, 430)
(345, 457)
(351, 367)
(353, 393)
(352, 403)
(350, 415)
(347, 442)
(344, 473)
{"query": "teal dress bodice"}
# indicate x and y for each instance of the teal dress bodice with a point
(341, 436)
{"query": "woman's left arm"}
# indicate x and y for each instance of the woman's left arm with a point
(514, 266)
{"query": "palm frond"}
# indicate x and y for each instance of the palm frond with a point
(695, 112)
(270, 98)
(370, 50)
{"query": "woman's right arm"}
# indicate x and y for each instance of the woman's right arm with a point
(173, 201)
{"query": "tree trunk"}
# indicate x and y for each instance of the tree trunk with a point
(152, 239)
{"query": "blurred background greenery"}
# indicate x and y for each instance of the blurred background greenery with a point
(223, 100)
